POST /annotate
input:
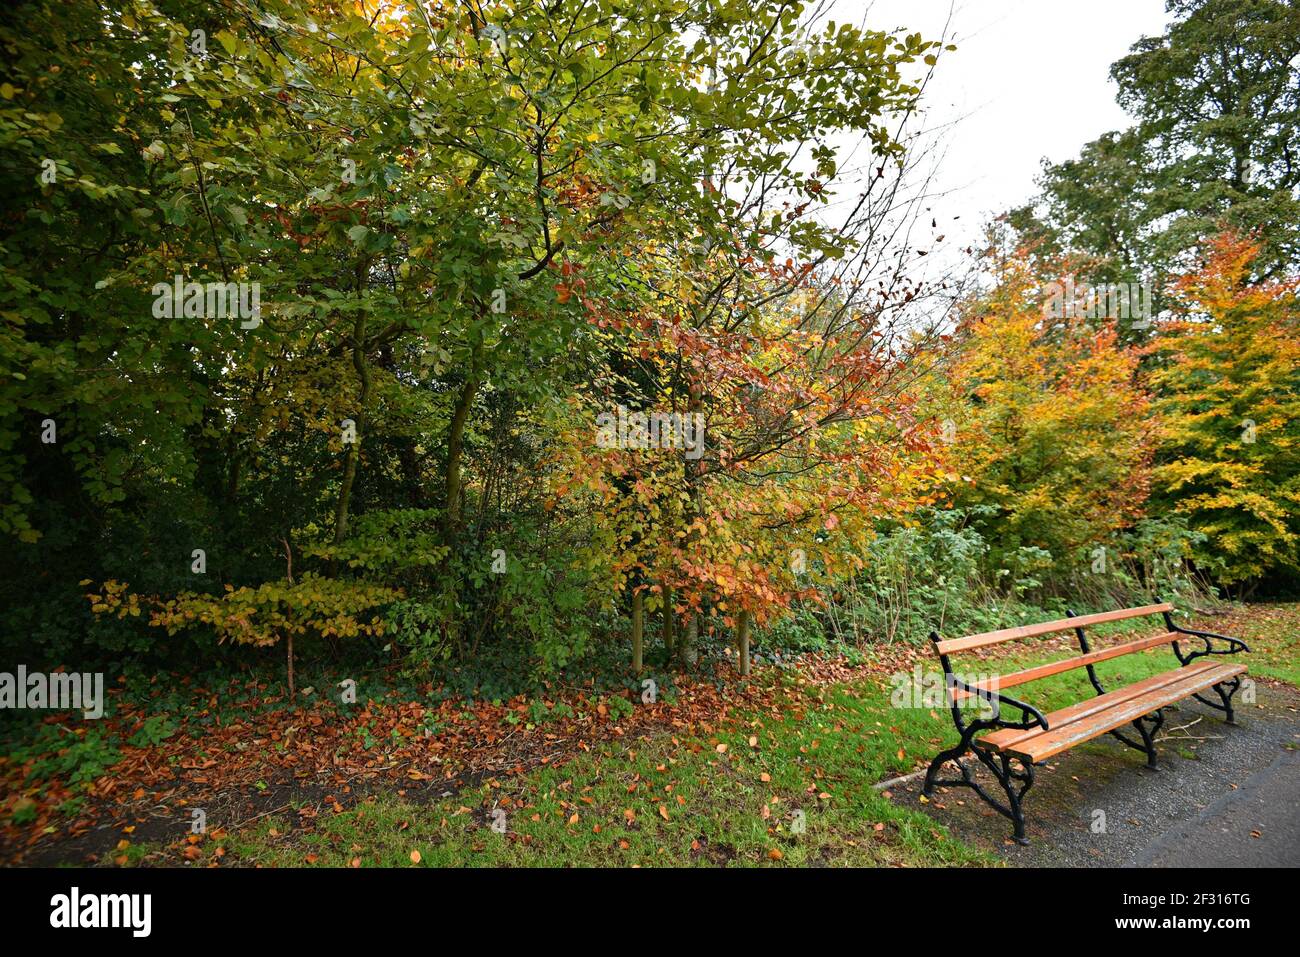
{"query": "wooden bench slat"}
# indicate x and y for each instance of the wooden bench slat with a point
(952, 645)
(1049, 743)
(1084, 709)
(1068, 664)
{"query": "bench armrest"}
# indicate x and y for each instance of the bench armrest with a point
(997, 700)
(1235, 645)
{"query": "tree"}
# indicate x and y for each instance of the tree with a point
(1049, 425)
(464, 222)
(1217, 105)
(1227, 372)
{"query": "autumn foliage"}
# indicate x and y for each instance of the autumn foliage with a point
(1227, 369)
(475, 236)
(1050, 424)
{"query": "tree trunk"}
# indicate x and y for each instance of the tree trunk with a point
(693, 473)
(288, 638)
(289, 643)
(638, 624)
(687, 650)
(232, 476)
(455, 449)
(354, 450)
(452, 493)
(668, 636)
(742, 641)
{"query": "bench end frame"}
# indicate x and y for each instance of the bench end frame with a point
(1016, 782)
(1225, 689)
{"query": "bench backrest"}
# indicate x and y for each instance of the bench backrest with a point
(1079, 622)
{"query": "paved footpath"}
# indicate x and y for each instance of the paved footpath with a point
(1231, 830)
(1225, 796)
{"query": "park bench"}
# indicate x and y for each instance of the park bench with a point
(1012, 748)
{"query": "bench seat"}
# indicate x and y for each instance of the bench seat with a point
(1096, 716)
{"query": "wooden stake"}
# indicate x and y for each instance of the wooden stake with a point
(638, 625)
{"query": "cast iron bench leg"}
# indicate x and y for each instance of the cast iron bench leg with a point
(1148, 745)
(1001, 769)
(1225, 697)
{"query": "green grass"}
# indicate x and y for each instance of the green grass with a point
(1273, 633)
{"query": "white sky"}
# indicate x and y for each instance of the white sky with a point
(1029, 79)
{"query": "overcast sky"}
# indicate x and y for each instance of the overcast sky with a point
(1030, 79)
